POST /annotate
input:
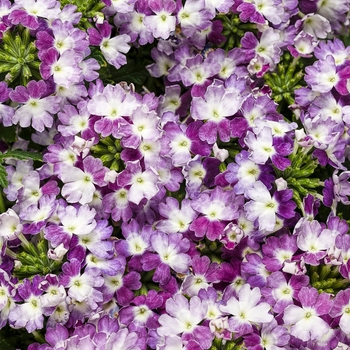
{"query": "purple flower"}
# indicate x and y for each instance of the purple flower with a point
(79, 185)
(64, 37)
(305, 321)
(170, 254)
(257, 10)
(180, 142)
(315, 240)
(198, 73)
(121, 286)
(175, 219)
(28, 315)
(6, 112)
(141, 311)
(265, 208)
(203, 273)
(82, 286)
(112, 104)
(272, 336)
(278, 250)
(264, 145)
(111, 48)
(161, 23)
(244, 173)
(322, 76)
(29, 11)
(216, 105)
(341, 307)
(246, 310)
(218, 207)
(64, 68)
(37, 108)
(281, 292)
(182, 317)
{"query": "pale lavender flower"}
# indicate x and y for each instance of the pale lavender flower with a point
(112, 104)
(304, 45)
(272, 337)
(79, 185)
(281, 291)
(117, 203)
(254, 270)
(8, 296)
(265, 208)
(193, 16)
(10, 225)
(171, 253)
(143, 184)
(246, 310)
(79, 221)
(6, 112)
(257, 10)
(218, 207)
(335, 48)
(82, 286)
(315, 25)
(264, 145)
(37, 108)
(161, 23)
(28, 12)
(112, 48)
(175, 219)
(216, 105)
(322, 76)
(267, 47)
(315, 240)
(28, 315)
(64, 37)
(341, 307)
(183, 318)
(64, 68)
(305, 321)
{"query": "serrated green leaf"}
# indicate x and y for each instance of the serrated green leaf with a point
(21, 155)
(3, 179)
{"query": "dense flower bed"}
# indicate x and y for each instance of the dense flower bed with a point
(174, 174)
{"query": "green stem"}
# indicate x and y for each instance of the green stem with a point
(2, 202)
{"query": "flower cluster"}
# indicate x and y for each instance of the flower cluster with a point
(174, 174)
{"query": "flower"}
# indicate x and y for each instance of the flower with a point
(246, 310)
(305, 321)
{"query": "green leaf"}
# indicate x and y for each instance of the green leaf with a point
(3, 179)
(9, 134)
(21, 155)
(133, 72)
(4, 345)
